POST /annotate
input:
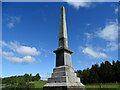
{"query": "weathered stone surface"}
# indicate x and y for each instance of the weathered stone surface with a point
(63, 88)
(63, 41)
(63, 58)
(65, 84)
(63, 76)
(63, 68)
(63, 71)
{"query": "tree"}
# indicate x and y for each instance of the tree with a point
(105, 73)
(94, 74)
(30, 77)
(36, 77)
(117, 71)
(108, 71)
(102, 73)
(26, 77)
(113, 71)
(86, 76)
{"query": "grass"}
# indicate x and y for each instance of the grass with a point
(106, 85)
(0, 85)
(38, 84)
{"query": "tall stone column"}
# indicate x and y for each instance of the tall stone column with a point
(63, 57)
(63, 76)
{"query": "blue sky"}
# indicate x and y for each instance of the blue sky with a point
(30, 35)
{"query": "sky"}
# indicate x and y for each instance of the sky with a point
(30, 35)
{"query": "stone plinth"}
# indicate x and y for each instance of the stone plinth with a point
(63, 88)
(63, 78)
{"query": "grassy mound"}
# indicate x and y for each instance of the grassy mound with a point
(106, 85)
(38, 84)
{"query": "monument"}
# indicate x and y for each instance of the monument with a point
(63, 76)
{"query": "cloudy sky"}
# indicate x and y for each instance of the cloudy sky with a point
(30, 35)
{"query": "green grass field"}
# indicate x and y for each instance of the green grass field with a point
(0, 84)
(40, 84)
(106, 85)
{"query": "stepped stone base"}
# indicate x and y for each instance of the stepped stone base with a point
(64, 86)
(64, 78)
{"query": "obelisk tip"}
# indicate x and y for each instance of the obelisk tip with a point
(62, 7)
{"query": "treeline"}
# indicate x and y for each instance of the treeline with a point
(0, 80)
(103, 73)
(20, 81)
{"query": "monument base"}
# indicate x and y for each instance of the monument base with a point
(63, 74)
(64, 78)
(64, 86)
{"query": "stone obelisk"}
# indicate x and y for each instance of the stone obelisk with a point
(63, 76)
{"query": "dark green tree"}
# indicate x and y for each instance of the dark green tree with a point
(36, 77)
(94, 74)
(27, 77)
(117, 71)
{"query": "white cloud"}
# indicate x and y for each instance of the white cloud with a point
(10, 25)
(94, 54)
(2, 44)
(88, 24)
(26, 59)
(78, 3)
(7, 53)
(45, 75)
(109, 32)
(88, 35)
(13, 21)
(45, 78)
(14, 59)
(25, 50)
(116, 10)
(20, 49)
(112, 46)
(17, 50)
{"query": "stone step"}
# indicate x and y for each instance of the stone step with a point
(63, 73)
(64, 79)
(57, 79)
(63, 68)
(73, 79)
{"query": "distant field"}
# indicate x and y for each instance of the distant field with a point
(0, 85)
(39, 84)
(107, 85)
